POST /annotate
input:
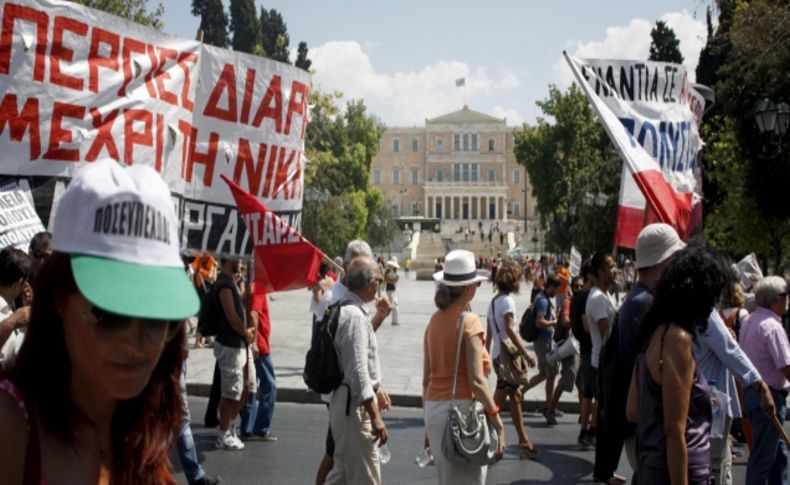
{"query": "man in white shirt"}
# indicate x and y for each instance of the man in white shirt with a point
(600, 308)
(14, 270)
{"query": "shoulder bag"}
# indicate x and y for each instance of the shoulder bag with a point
(470, 438)
(511, 365)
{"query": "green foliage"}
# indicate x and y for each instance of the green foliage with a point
(735, 225)
(302, 62)
(245, 26)
(665, 45)
(567, 161)
(213, 21)
(134, 10)
(340, 150)
(745, 60)
(274, 35)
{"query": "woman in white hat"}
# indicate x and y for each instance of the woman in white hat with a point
(94, 394)
(456, 287)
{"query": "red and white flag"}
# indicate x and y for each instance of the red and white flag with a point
(652, 116)
(284, 260)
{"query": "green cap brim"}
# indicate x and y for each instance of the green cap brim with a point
(135, 290)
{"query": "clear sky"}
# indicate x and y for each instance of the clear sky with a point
(402, 57)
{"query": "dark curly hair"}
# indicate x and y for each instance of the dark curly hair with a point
(686, 292)
(508, 277)
(143, 429)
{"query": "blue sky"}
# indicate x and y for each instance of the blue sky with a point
(402, 57)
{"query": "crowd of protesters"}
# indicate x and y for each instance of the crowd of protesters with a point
(93, 330)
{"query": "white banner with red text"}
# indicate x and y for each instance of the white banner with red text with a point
(77, 84)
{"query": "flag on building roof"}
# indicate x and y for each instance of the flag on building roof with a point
(461, 81)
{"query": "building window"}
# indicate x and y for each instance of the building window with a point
(377, 176)
(475, 172)
(491, 144)
(466, 142)
(516, 176)
(457, 142)
(415, 144)
(516, 210)
(492, 175)
(439, 145)
(535, 211)
(396, 145)
(415, 176)
(440, 175)
(395, 210)
(465, 171)
(456, 172)
(396, 176)
(474, 142)
(415, 208)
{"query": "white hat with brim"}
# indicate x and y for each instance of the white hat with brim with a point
(393, 263)
(655, 244)
(459, 269)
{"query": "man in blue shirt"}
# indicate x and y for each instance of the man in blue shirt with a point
(654, 245)
(545, 320)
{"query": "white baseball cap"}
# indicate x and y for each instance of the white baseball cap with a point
(460, 269)
(655, 243)
(120, 228)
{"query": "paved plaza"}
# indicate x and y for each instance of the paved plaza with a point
(401, 346)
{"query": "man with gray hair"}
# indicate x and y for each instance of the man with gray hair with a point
(763, 339)
(355, 408)
(336, 293)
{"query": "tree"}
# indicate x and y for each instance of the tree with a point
(213, 21)
(134, 10)
(340, 148)
(665, 45)
(245, 26)
(746, 60)
(572, 167)
(274, 36)
(302, 62)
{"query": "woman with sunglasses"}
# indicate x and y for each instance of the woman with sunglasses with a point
(457, 285)
(93, 396)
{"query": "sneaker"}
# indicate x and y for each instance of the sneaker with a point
(228, 442)
(558, 413)
(266, 438)
(207, 480)
(550, 418)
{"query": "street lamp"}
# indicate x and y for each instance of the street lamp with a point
(772, 118)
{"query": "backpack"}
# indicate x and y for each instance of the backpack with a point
(322, 371)
(528, 328)
(209, 319)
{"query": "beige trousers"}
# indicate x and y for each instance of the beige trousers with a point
(356, 455)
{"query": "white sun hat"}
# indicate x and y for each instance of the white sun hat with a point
(459, 269)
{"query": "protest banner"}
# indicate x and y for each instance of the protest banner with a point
(18, 219)
(652, 116)
(283, 258)
(77, 84)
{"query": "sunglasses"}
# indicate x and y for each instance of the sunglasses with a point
(110, 325)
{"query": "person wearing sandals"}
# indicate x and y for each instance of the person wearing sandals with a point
(456, 287)
(502, 325)
(669, 398)
(94, 394)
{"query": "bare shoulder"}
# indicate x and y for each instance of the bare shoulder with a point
(677, 343)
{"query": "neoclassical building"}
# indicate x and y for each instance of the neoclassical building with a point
(459, 168)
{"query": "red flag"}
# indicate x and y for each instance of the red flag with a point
(284, 260)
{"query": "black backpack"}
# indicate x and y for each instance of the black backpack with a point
(209, 318)
(322, 372)
(528, 328)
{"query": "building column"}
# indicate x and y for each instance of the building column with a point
(452, 212)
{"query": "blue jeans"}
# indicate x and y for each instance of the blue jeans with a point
(186, 443)
(262, 405)
(768, 458)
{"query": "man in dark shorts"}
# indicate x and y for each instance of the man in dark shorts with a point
(586, 379)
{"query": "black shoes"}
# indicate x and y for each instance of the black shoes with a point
(207, 480)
